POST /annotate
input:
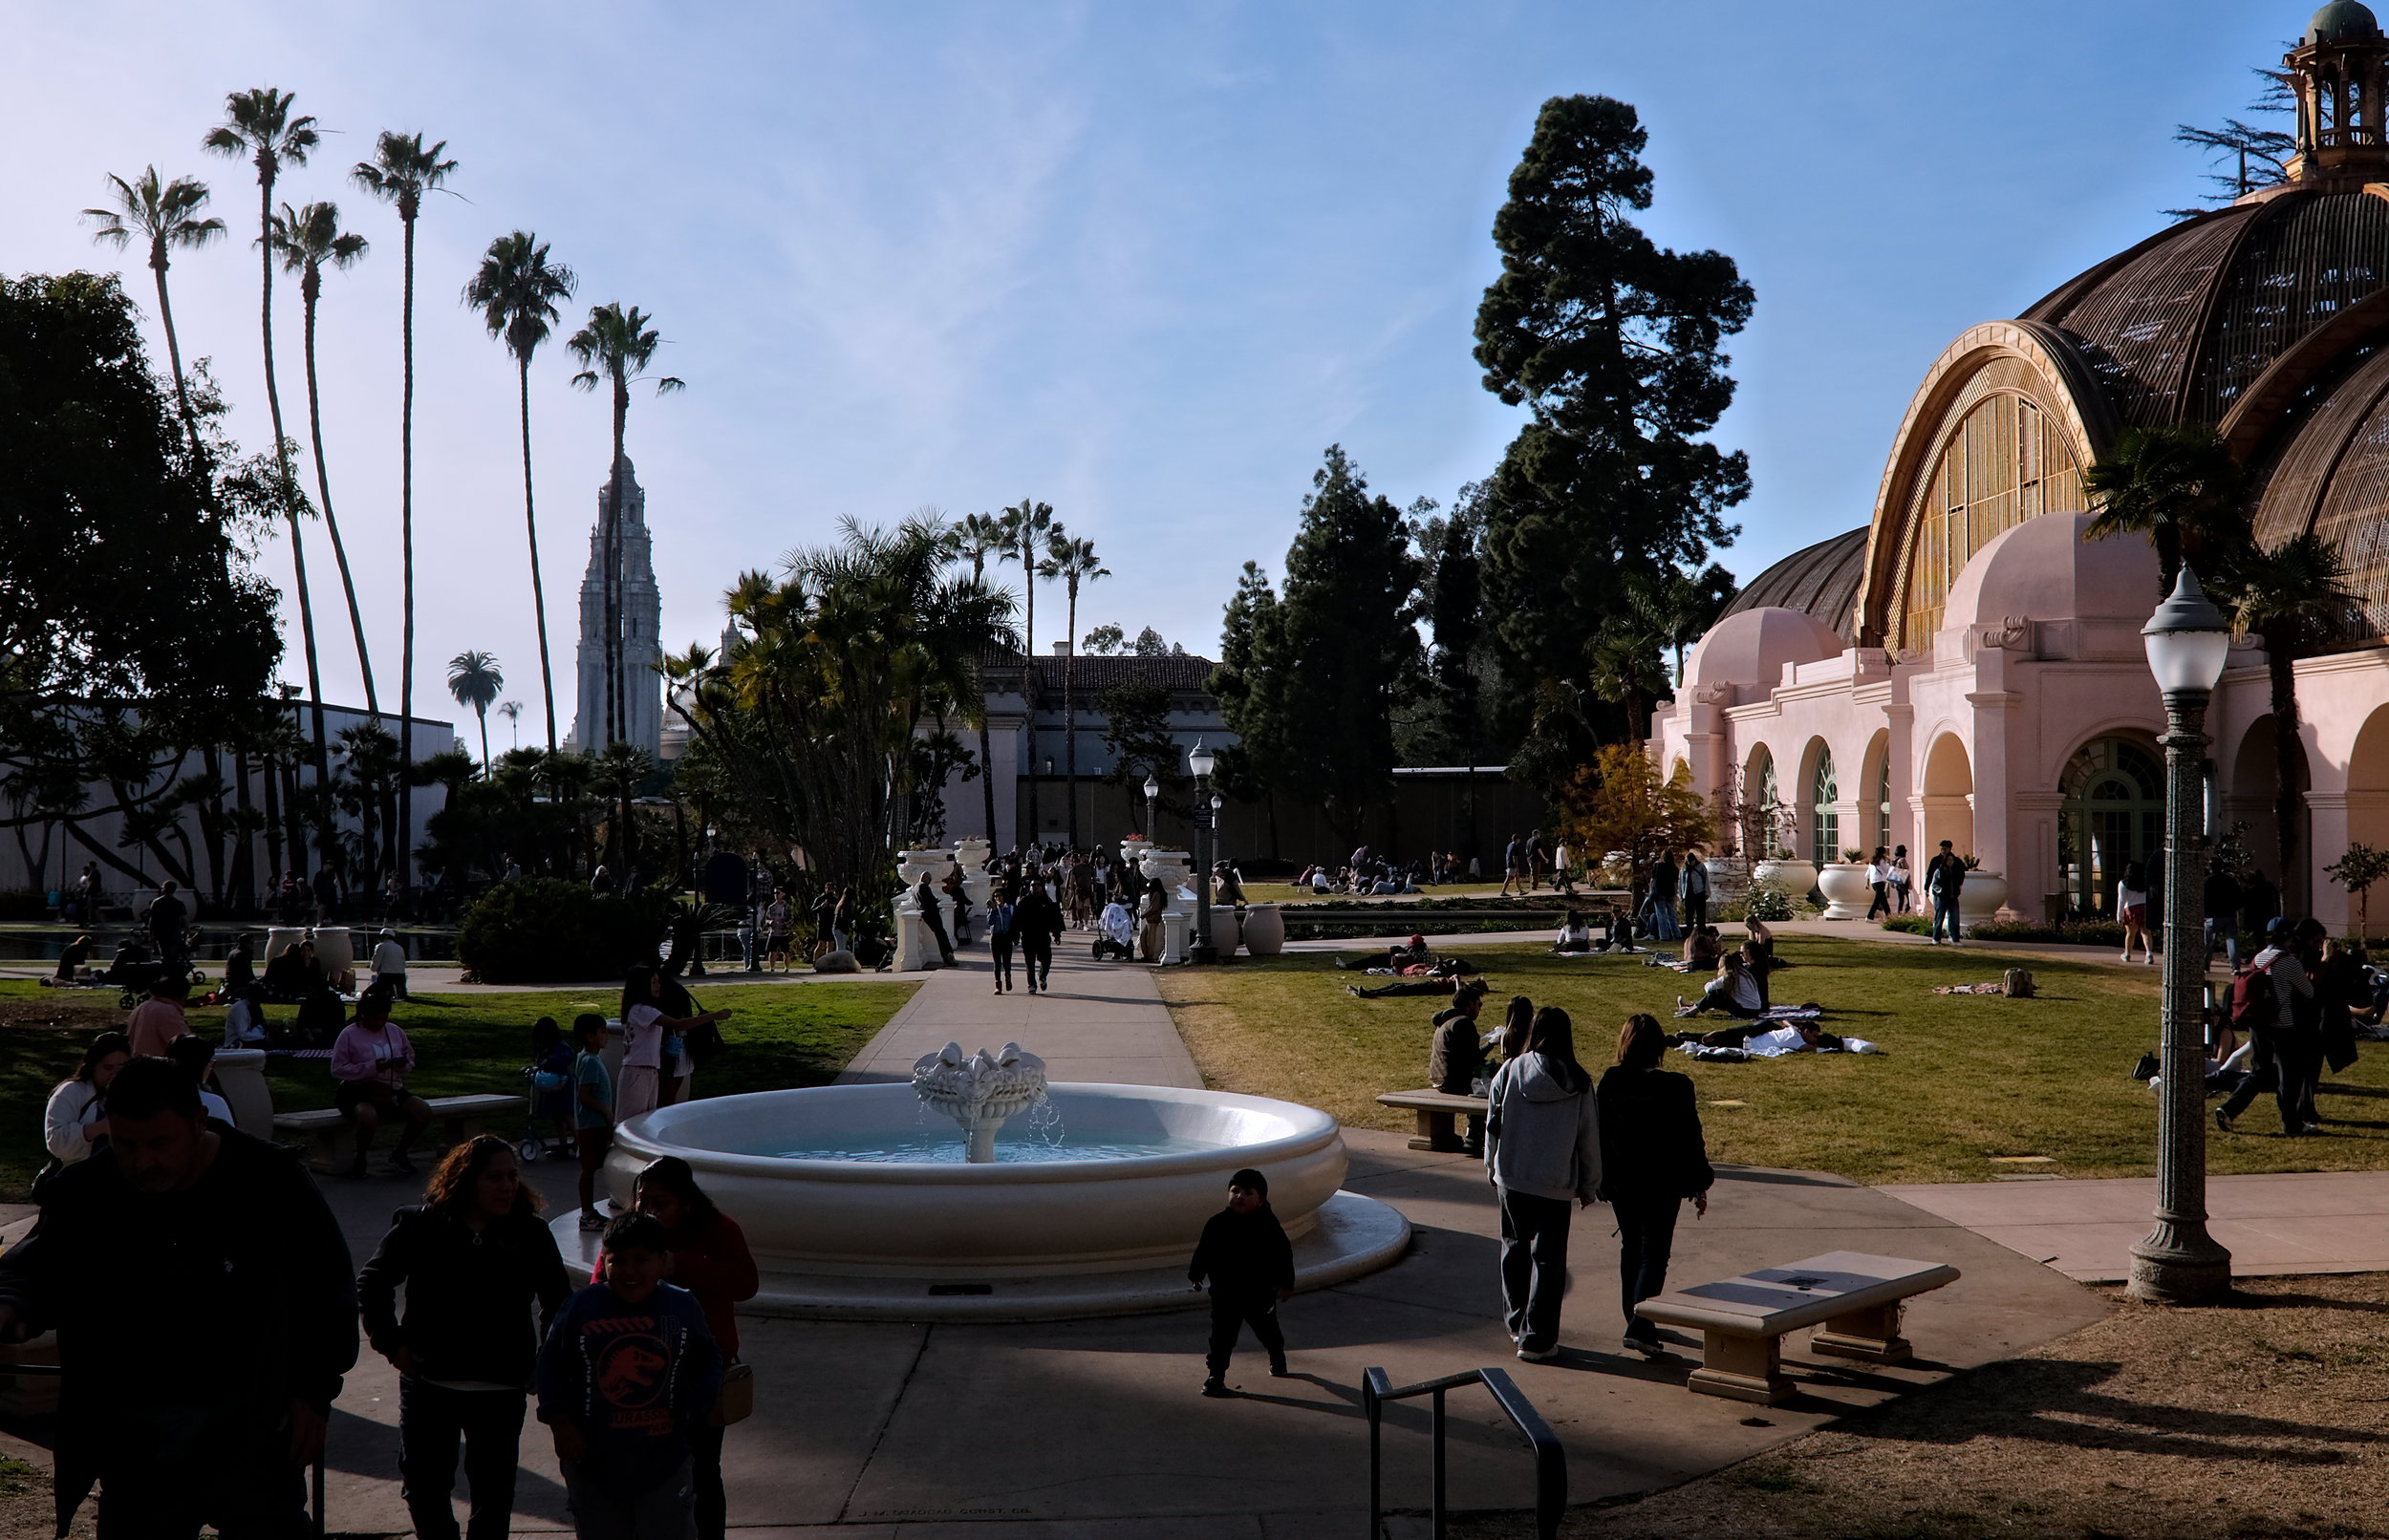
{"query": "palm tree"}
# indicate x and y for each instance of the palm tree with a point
(165, 217)
(2297, 596)
(615, 346)
(622, 770)
(512, 711)
(976, 537)
(475, 680)
(1072, 561)
(258, 124)
(2179, 486)
(1026, 527)
(309, 240)
(400, 172)
(516, 291)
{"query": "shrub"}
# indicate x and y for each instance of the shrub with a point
(24, 905)
(1915, 924)
(540, 929)
(1768, 904)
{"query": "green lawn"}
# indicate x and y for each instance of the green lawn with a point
(783, 1034)
(1965, 1079)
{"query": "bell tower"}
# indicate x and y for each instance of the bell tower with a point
(2340, 74)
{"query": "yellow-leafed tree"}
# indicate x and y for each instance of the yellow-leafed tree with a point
(1619, 802)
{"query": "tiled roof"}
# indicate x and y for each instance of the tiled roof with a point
(1181, 673)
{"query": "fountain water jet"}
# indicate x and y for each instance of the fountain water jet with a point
(980, 1093)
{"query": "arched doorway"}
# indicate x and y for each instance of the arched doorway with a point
(1948, 799)
(1825, 818)
(2114, 814)
(1762, 812)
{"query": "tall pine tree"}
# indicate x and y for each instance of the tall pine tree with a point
(1612, 344)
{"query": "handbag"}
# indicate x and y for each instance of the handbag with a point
(735, 1400)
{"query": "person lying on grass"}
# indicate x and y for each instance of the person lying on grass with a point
(1763, 1036)
(1446, 980)
(1413, 954)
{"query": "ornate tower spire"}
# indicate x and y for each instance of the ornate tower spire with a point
(2340, 73)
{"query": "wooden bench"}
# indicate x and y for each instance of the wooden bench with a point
(1438, 1114)
(1852, 1298)
(454, 1119)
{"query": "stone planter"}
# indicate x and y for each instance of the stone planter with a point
(1984, 895)
(1728, 881)
(1848, 895)
(1264, 929)
(1224, 930)
(1790, 878)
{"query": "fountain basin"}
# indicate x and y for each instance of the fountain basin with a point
(1023, 1216)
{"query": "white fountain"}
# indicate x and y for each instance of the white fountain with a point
(982, 1093)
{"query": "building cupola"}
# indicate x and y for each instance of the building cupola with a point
(2340, 74)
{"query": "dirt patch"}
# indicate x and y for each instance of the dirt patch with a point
(69, 1010)
(2264, 1416)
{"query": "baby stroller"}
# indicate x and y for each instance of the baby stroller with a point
(549, 1081)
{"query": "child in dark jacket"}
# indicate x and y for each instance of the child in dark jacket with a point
(627, 1368)
(1245, 1254)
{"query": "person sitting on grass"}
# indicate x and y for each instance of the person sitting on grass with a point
(370, 1063)
(1574, 935)
(1413, 954)
(245, 1017)
(1701, 948)
(1250, 1264)
(70, 958)
(159, 1021)
(75, 1122)
(1739, 990)
(1617, 931)
(1792, 1037)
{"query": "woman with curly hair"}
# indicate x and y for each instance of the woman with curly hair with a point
(474, 1257)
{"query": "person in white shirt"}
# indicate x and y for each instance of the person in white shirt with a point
(646, 1034)
(2132, 909)
(1576, 936)
(1879, 878)
(390, 964)
(245, 1019)
(1736, 991)
(77, 1118)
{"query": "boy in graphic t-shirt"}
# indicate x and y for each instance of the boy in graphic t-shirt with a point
(627, 1369)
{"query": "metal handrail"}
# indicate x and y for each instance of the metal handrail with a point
(1551, 1462)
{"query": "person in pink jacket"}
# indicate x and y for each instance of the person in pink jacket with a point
(371, 1060)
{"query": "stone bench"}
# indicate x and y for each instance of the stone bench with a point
(1438, 1114)
(1852, 1298)
(454, 1119)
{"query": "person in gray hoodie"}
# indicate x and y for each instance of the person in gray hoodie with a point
(1542, 1147)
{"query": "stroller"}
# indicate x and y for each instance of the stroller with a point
(549, 1081)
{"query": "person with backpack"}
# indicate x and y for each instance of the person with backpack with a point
(1542, 1147)
(2272, 1005)
(1943, 875)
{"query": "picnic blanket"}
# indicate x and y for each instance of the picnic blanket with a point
(1994, 987)
(1743, 1056)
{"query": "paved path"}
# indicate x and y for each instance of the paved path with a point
(1102, 1021)
(2273, 1225)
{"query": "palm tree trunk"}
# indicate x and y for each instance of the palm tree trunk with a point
(1070, 714)
(2288, 758)
(323, 493)
(282, 461)
(174, 351)
(404, 829)
(539, 597)
(481, 710)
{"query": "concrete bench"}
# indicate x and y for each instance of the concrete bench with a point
(330, 1146)
(1438, 1114)
(1852, 1298)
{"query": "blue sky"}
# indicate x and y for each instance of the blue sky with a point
(1143, 262)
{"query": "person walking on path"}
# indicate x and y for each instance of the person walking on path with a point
(651, 1041)
(390, 965)
(1900, 877)
(474, 1259)
(628, 1368)
(711, 1261)
(2272, 1004)
(2132, 909)
(1878, 882)
(206, 1312)
(999, 921)
(926, 897)
(1037, 923)
(1542, 1147)
(1652, 1158)
(1513, 867)
(1250, 1263)
(1943, 875)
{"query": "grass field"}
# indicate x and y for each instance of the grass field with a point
(1966, 1080)
(781, 1036)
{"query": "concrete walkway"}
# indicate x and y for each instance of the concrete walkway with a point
(1103, 1022)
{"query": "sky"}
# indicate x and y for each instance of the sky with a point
(1142, 263)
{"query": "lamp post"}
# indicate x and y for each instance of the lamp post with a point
(1198, 760)
(2178, 1262)
(1153, 791)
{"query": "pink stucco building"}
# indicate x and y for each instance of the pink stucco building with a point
(1968, 667)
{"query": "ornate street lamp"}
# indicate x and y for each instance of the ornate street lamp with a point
(1198, 760)
(1153, 790)
(2179, 1262)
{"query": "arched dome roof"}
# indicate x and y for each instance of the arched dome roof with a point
(2178, 326)
(2043, 569)
(1752, 647)
(1821, 582)
(2333, 479)
(2343, 21)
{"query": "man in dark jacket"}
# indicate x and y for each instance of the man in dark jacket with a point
(1037, 924)
(1943, 875)
(205, 1313)
(1652, 1158)
(2222, 909)
(1455, 1055)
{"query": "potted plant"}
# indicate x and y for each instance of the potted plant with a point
(1984, 895)
(1848, 895)
(1786, 873)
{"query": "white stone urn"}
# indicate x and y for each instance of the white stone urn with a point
(1791, 877)
(1264, 929)
(971, 855)
(1170, 869)
(1132, 850)
(912, 866)
(1984, 895)
(1226, 930)
(1848, 894)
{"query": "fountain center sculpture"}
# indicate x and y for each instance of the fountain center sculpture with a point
(980, 1092)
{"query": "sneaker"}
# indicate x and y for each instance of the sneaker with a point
(1538, 1355)
(1217, 1388)
(1353, 990)
(593, 1222)
(1649, 1347)
(1279, 1371)
(2223, 1119)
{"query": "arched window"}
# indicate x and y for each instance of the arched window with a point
(2114, 814)
(1880, 803)
(1824, 823)
(2002, 464)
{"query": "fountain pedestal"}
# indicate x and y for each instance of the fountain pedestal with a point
(981, 1092)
